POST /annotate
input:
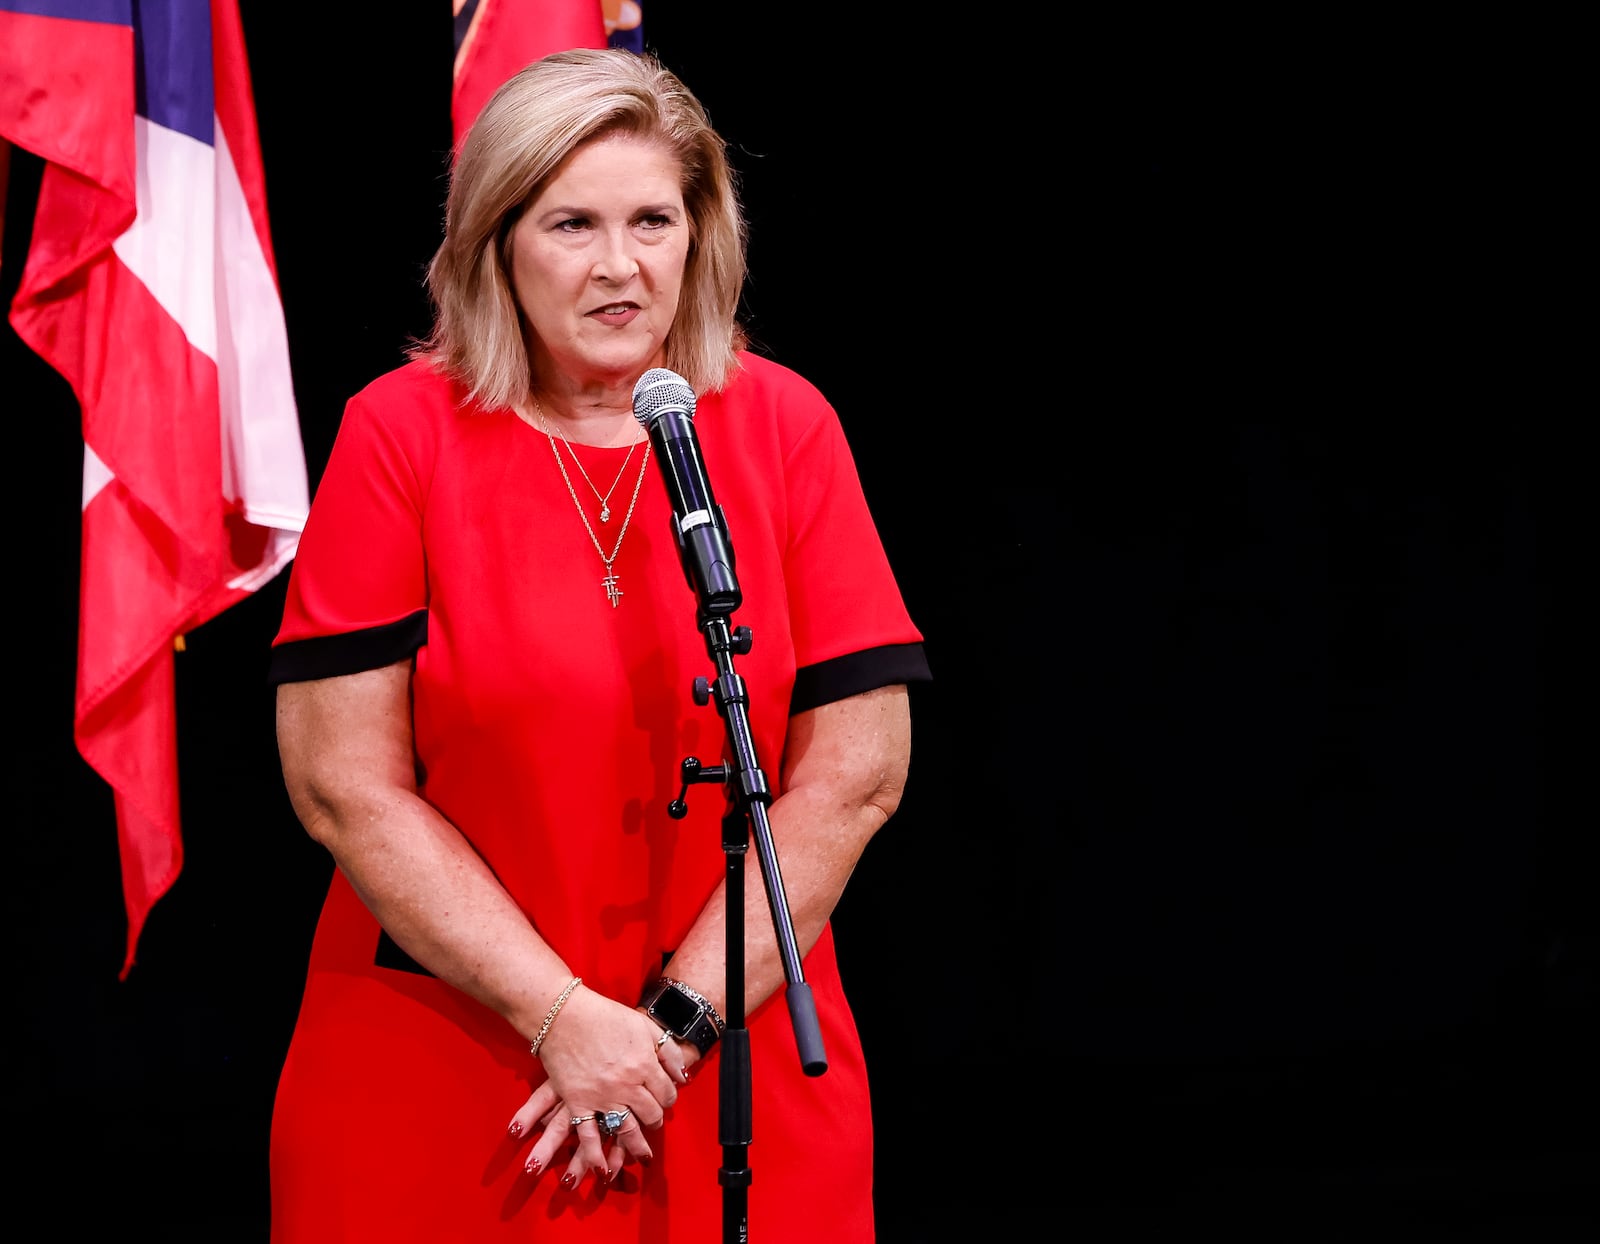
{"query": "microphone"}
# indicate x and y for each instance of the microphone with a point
(664, 403)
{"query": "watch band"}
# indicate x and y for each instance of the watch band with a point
(684, 1012)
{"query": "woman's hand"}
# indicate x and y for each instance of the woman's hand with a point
(601, 1056)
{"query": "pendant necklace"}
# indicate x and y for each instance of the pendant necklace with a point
(613, 592)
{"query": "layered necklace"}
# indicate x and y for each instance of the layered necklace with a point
(609, 582)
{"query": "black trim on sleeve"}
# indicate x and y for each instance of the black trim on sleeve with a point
(855, 672)
(301, 660)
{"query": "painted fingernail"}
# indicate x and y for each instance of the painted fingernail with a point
(534, 1166)
(515, 1129)
(569, 1180)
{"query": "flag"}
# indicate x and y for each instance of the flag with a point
(150, 285)
(495, 38)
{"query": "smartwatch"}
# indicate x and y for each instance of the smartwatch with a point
(684, 1013)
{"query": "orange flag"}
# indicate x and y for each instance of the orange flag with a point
(495, 38)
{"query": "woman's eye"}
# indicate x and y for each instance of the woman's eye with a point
(573, 225)
(655, 221)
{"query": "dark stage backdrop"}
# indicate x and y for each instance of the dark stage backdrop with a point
(1231, 889)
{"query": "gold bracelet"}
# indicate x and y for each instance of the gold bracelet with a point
(550, 1015)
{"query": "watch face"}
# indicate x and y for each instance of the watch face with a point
(675, 1011)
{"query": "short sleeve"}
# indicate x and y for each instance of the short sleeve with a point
(849, 622)
(357, 595)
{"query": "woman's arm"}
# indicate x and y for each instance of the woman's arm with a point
(348, 763)
(844, 770)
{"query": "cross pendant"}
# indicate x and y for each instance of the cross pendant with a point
(613, 592)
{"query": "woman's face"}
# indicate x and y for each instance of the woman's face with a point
(597, 262)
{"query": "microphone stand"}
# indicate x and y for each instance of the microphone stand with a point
(748, 796)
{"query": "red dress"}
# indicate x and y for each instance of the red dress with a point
(550, 726)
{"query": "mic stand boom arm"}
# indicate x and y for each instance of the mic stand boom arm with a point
(748, 796)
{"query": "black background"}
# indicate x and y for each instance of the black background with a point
(1234, 888)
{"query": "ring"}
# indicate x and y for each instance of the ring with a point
(611, 1120)
(579, 1118)
(663, 1038)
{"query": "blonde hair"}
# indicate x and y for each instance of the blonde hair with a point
(533, 122)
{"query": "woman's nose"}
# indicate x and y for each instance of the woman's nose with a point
(617, 260)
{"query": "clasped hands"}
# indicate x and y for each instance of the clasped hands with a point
(601, 1057)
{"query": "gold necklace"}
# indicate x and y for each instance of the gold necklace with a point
(605, 501)
(613, 592)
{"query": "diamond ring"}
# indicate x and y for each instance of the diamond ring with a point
(611, 1121)
(579, 1118)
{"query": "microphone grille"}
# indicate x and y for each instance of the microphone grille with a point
(660, 390)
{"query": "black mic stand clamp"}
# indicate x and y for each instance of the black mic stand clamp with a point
(748, 795)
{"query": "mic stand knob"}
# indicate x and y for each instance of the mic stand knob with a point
(693, 771)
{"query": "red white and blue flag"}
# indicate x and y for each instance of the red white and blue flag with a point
(150, 285)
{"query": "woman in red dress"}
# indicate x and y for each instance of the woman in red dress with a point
(511, 1022)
